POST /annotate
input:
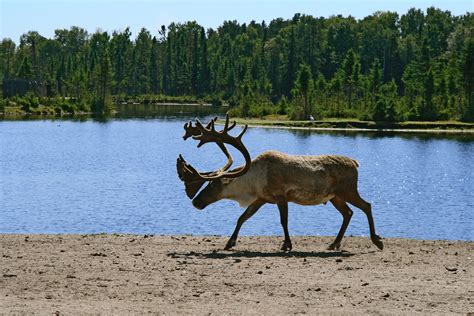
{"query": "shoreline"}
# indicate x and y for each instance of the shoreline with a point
(116, 273)
(325, 125)
(437, 128)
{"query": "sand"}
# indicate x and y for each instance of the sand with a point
(123, 274)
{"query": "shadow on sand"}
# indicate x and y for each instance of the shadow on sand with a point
(258, 254)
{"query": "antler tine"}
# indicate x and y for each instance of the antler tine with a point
(232, 126)
(189, 130)
(199, 124)
(230, 160)
(202, 142)
(196, 130)
(226, 124)
(242, 132)
(212, 125)
(201, 131)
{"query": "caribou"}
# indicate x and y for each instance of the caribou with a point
(273, 177)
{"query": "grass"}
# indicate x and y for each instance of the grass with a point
(357, 125)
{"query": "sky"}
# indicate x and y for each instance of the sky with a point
(20, 16)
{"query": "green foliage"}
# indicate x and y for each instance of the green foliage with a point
(467, 65)
(386, 105)
(418, 65)
(282, 106)
(303, 94)
(31, 104)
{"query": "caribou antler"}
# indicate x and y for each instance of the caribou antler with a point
(190, 130)
(208, 134)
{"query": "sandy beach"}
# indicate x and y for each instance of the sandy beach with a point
(104, 274)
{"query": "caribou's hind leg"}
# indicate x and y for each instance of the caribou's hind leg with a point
(365, 206)
(346, 213)
(249, 212)
(353, 197)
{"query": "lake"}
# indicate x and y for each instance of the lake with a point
(119, 176)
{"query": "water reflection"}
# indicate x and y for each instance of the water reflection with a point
(170, 112)
(418, 136)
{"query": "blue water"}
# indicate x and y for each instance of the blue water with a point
(119, 176)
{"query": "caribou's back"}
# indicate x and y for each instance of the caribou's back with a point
(306, 180)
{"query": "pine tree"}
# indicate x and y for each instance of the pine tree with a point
(351, 68)
(102, 103)
(427, 110)
(25, 72)
(204, 76)
(154, 68)
(168, 87)
(303, 90)
(195, 65)
(468, 78)
(290, 65)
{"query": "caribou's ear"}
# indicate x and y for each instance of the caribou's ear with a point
(188, 175)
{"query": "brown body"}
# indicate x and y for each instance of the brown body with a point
(279, 178)
(276, 178)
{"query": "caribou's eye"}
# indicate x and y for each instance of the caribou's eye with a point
(226, 181)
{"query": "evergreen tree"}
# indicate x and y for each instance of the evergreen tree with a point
(467, 65)
(141, 62)
(351, 68)
(303, 92)
(195, 65)
(428, 111)
(290, 65)
(101, 103)
(7, 55)
(203, 76)
(154, 67)
(24, 72)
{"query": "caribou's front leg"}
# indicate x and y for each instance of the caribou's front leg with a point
(249, 212)
(283, 207)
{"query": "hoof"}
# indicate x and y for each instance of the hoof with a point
(334, 246)
(377, 242)
(230, 244)
(287, 246)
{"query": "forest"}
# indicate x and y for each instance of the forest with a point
(417, 66)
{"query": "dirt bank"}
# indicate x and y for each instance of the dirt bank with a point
(66, 274)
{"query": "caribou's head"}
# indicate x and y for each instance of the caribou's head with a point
(218, 179)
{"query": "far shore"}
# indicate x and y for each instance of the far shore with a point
(282, 122)
(343, 125)
(193, 275)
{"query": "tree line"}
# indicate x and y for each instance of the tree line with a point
(386, 66)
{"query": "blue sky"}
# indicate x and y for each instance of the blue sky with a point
(19, 16)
